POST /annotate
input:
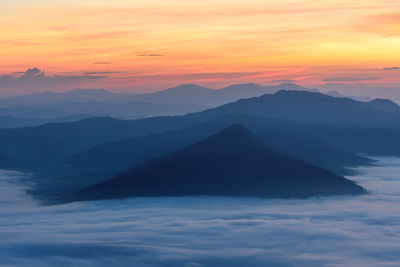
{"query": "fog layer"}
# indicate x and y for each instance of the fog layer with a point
(206, 231)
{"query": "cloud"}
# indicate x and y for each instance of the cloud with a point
(283, 81)
(101, 72)
(36, 78)
(150, 55)
(200, 75)
(392, 68)
(350, 79)
(101, 63)
(385, 24)
(206, 231)
(33, 72)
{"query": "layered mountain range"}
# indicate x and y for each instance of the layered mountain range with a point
(319, 130)
(232, 162)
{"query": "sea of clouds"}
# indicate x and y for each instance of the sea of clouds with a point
(206, 231)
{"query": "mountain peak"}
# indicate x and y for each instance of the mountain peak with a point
(242, 85)
(232, 139)
(189, 86)
(232, 162)
(384, 104)
(301, 95)
(383, 101)
(291, 86)
(235, 129)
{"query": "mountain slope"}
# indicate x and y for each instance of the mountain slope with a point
(101, 162)
(384, 104)
(362, 129)
(79, 95)
(126, 110)
(178, 100)
(314, 108)
(6, 161)
(232, 163)
(182, 94)
(13, 122)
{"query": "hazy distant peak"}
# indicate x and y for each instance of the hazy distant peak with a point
(242, 85)
(87, 90)
(189, 86)
(334, 94)
(383, 101)
(295, 93)
(291, 86)
(384, 104)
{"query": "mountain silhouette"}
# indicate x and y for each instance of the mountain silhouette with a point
(232, 162)
(206, 97)
(384, 104)
(344, 123)
(314, 108)
(101, 162)
(179, 100)
(6, 161)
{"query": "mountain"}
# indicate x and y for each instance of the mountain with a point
(357, 98)
(314, 151)
(103, 161)
(12, 122)
(195, 94)
(358, 127)
(6, 161)
(182, 94)
(128, 110)
(178, 100)
(185, 93)
(45, 98)
(384, 104)
(314, 108)
(231, 163)
(361, 90)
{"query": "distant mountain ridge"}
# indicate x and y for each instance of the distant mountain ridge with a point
(60, 141)
(232, 162)
(12, 122)
(180, 100)
(181, 94)
(315, 108)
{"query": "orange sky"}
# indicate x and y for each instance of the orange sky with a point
(153, 44)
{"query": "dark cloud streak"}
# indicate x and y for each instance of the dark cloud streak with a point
(392, 68)
(350, 79)
(283, 81)
(34, 77)
(101, 72)
(150, 55)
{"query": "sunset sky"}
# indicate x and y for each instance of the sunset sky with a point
(142, 46)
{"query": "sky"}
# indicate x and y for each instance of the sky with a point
(142, 46)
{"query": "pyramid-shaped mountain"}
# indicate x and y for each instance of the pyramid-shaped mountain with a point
(230, 163)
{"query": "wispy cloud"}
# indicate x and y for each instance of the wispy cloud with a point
(392, 68)
(283, 81)
(350, 79)
(34, 77)
(101, 72)
(150, 55)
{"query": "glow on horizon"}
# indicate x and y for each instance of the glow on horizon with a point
(154, 44)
